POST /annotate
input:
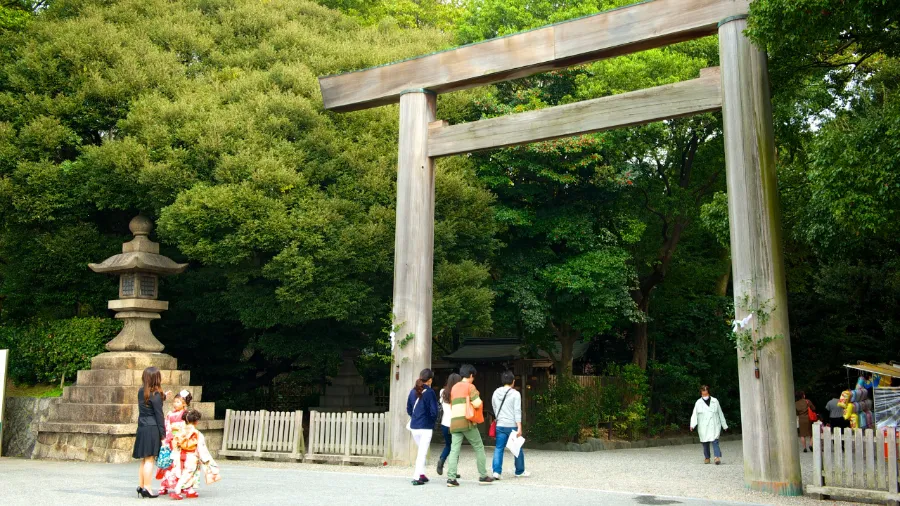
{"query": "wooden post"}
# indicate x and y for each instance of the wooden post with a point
(300, 445)
(226, 434)
(818, 479)
(262, 418)
(413, 265)
(771, 458)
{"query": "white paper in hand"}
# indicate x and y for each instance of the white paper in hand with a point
(514, 443)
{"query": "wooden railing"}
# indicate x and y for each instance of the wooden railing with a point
(347, 437)
(263, 434)
(855, 463)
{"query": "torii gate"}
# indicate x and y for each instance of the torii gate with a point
(740, 88)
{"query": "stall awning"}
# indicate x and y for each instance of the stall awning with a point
(882, 369)
(501, 350)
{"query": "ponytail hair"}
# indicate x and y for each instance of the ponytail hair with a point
(452, 380)
(424, 376)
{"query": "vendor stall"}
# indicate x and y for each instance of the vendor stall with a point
(878, 381)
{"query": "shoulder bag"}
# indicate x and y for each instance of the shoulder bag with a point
(492, 431)
(811, 413)
(473, 415)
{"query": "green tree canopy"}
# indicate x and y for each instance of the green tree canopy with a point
(207, 116)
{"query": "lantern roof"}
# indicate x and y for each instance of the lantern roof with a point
(140, 254)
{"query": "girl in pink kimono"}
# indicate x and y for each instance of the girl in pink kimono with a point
(174, 425)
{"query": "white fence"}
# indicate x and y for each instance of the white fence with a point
(347, 437)
(263, 434)
(855, 463)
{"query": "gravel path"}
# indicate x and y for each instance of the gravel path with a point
(664, 471)
(83, 484)
(652, 476)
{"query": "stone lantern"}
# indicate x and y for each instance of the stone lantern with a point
(95, 420)
(139, 267)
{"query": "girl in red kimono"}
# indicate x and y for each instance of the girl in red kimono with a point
(192, 446)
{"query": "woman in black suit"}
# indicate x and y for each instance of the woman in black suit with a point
(151, 428)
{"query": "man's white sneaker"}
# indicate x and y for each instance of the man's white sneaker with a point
(496, 476)
(526, 474)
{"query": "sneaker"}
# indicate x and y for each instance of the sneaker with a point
(496, 476)
(706, 461)
(718, 461)
(418, 482)
(525, 474)
(452, 483)
(423, 478)
(487, 480)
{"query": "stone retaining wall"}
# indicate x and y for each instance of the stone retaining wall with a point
(597, 445)
(20, 424)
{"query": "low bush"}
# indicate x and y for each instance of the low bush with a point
(624, 402)
(563, 410)
(44, 351)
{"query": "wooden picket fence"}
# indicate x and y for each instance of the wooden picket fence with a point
(263, 434)
(855, 463)
(347, 437)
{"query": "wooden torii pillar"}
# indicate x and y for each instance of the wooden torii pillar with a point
(768, 422)
(740, 89)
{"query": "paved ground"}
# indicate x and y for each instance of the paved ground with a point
(656, 476)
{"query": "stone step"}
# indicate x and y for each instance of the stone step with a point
(128, 377)
(348, 402)
(135, 360)
(113, 413)
(347, 381)
(90, 443)
(113, 428)
(341, 391)
(118, 394)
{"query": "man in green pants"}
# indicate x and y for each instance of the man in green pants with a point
(460, 427)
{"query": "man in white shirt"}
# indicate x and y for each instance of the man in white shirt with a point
(507, 405)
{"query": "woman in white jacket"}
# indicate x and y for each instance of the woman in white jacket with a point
(709, 421)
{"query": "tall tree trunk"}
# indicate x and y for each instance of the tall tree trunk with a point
(724, 279)
(639, 335)
(567, 337)
(641, 295)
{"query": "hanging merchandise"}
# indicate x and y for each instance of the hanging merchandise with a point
(850, 414)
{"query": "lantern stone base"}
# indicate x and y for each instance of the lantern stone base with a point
(96, 419)
(136, 334)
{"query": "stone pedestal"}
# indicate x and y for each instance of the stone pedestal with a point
(96, 419)
(348, 392)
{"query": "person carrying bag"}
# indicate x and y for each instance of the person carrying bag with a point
(507, 404)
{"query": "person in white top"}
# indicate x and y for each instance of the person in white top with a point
(507, 405)
(445, 419)
(709, 420)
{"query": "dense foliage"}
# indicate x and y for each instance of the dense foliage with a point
(206, 116)
(55, 350)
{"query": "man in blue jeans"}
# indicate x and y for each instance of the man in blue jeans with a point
(507, 405)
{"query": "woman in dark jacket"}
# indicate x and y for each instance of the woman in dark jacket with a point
(422, 408)
(151, 428)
